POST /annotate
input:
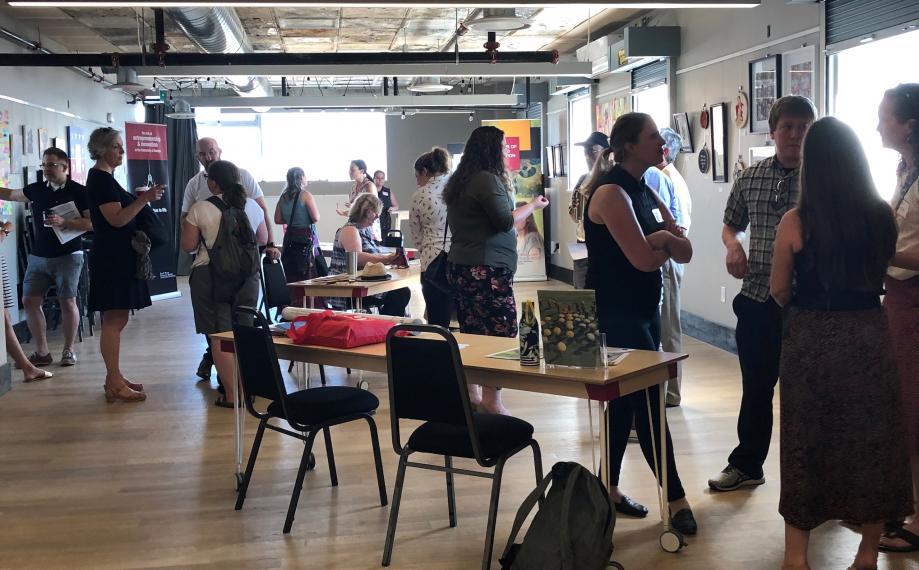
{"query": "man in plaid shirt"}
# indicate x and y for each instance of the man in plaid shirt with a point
(760, 197)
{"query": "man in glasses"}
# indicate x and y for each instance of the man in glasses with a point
(53, 262)
(207, 151)
(760, 197)
(595, 144)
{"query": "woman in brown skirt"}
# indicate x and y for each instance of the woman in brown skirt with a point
(898, 116)
(842, 434)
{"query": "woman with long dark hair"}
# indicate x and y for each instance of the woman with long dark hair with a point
(114, 288)
(483, 244)
(842, 431)
(630, 234)
(363, 184)
(428, 220)
(199, 233)
(297, 209)
(899, 127)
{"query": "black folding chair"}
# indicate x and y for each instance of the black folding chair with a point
(427, 382)
(307, 411)
(275, 293)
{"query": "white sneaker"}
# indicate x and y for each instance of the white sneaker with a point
(68, 358)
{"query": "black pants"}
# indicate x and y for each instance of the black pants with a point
(759, 348)
(643, 334)
(440, 305)
(392, 303)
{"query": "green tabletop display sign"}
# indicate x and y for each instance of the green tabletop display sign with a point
(570, 332)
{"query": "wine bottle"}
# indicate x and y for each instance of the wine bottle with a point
(529, 335)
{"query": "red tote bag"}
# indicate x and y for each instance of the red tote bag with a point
(337, 330)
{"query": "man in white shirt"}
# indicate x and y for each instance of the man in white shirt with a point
(208, 152)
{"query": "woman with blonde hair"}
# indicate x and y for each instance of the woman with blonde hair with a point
(355, 237)
(114, 287)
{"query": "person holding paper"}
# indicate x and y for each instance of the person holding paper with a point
(60, 214)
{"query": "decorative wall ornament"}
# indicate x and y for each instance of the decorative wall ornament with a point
(704, 117)
(704, 159)
(741, 108)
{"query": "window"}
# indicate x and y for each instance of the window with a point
(322, 143)
(580, 126)
(859, 77)
(654, 101)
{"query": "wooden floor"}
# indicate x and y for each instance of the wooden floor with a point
(85, 484)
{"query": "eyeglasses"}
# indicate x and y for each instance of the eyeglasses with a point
(780, 196)
(53, 164)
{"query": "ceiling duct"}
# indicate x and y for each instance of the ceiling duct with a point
(218, 30)
(429, 85)
(641, 46)
(127, 82)
(498, 20)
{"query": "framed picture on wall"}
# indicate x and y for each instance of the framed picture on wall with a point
(758, 153)
(681, 126)
(719, 143)
(799, 72)
(765, 87)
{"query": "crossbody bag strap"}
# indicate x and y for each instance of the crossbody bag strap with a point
(293, 208)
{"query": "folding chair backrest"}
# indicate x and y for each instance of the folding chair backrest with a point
(276, 291)
(259, 370)
(426, 378)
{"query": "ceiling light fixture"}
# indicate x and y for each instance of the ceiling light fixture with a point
(376, 4)
(182, 111)
(127, 82)
(498, 20)
(429, 85)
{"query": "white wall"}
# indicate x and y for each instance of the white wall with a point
(707, 35)
(61, 90)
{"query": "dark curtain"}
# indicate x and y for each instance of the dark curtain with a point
(182, 135)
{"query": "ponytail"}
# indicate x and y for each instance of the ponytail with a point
(603, 164)
(225, 175)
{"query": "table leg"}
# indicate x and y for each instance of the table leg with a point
(238, 419)
(603, 408)
(593, 448)
(662, 407)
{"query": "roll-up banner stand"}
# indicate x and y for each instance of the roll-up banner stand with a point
(148, 165)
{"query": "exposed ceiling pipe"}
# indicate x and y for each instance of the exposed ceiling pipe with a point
(461, 30)
(218, 30)
(271, 59)
(36, 47)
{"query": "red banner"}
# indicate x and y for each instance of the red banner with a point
(512, 153)
(145, 141)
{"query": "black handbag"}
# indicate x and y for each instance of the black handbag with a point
(393, 238)
(436, 273)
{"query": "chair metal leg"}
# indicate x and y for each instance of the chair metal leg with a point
(298, 485)
(492, 515)
(378, 461)
(322, 374)
(394, 509)
(241, 494)
(451, 496)
(328, 451)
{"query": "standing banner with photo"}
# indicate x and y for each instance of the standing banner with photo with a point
(145, 149)
(523, 157)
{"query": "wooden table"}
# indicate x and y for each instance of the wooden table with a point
(641, 370)
(356, 289)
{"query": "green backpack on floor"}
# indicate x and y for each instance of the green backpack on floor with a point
(573, 528)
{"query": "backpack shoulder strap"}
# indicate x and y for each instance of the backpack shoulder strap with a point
(565, 535)
(218, 201)
(525, 509)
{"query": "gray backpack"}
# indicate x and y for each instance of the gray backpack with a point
(234, 257)
(573, 528)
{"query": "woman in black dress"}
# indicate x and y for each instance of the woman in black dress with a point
(630, 234)
(114, 290)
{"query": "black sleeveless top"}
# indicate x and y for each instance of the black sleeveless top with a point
(622, 290)
(810, 294)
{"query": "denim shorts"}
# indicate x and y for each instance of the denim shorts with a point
(44, 272)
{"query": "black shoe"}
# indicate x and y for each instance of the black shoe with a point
(204, 367)
(630, 508)
(684, 522)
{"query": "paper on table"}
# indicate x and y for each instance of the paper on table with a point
(577, 251)
(68, 211)
(509, 354)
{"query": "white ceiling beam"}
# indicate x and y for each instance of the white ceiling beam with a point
(357, 102)
(561, 69)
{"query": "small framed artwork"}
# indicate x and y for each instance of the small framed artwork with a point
(758, 153)
(681, 125)
(765, 87)
(799, 72)
(719, 143)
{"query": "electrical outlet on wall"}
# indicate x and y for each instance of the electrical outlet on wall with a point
(723, 294)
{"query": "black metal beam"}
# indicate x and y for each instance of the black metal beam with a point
(231, 59)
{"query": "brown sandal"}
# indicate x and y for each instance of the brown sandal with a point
(123, 394)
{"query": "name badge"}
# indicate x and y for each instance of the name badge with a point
(657, 215)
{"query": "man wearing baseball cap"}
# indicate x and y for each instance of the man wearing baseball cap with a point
(595, 144)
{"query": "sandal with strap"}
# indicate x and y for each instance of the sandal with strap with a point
(906, 536)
